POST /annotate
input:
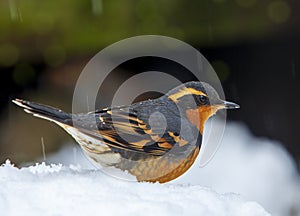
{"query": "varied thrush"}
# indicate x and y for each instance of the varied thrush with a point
(153, 140)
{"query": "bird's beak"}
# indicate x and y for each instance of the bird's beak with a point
(230, 105)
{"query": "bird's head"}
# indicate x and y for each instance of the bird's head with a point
(199, 101)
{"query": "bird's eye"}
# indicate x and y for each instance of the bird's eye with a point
(203, 99)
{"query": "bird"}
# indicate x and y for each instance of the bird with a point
(155, 140)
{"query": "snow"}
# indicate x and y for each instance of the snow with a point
(69, 190)
(246, 176)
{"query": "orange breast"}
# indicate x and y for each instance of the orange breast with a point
(163, 169)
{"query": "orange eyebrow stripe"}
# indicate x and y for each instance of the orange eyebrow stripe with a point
(185, 91)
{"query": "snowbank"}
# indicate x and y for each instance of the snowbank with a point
(62, 190)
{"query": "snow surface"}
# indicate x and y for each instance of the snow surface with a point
(62, 190)
(260, 170)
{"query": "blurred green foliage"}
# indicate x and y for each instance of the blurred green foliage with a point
(51, 31)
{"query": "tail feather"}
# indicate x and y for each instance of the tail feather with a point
(45, 112)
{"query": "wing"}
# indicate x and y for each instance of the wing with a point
(123, 128)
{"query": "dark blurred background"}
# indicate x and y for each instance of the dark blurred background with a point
(253, 45)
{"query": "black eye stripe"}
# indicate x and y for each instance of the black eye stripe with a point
(194, 99)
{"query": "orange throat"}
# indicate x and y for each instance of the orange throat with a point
(200, 115)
